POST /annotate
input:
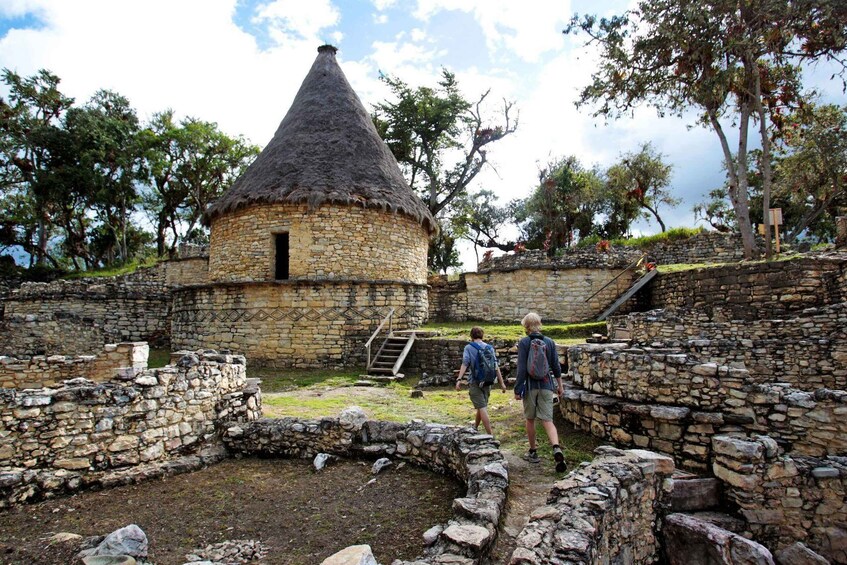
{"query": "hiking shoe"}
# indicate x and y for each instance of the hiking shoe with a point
(532, 457)
(559, 457)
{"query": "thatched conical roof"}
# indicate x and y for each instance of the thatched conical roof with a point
(326, 150)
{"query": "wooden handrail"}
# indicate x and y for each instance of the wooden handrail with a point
(388, 319)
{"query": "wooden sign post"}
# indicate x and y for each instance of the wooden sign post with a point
(775, 215)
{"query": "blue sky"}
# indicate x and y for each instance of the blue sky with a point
(239, 63)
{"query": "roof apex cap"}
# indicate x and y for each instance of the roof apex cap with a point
(328, 49)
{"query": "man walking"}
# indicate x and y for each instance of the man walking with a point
(480, 362)
(538, 376)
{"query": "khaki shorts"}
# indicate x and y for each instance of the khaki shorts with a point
(479, 395)
(538, 404)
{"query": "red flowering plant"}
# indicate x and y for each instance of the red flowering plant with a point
(520, 247)
(604, 246)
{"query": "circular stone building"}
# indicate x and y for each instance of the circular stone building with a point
(314, 243)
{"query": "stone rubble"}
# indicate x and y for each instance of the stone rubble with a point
(230, 552)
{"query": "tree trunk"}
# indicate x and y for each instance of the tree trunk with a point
(767, 174)
(656, 215)
(737, 196)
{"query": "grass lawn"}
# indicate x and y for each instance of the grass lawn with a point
(566, 334)
(315, 394)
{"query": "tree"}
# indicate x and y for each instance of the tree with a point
(642, 178)
(105, 136)
(811, 166)
(188, 164)
(29, 122)
(725, 58)
(478, 219)
(442, 252)
(563, 207)
(426, 126)
(715, 211)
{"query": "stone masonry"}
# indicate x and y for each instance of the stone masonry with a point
(49, 371)
(293, 323)
(785, 499)
(331, 242)
(606, 511)
(808, 351)
(141, 424)
(74, 317)
(751, 291)
(461, 452)
(674, 404)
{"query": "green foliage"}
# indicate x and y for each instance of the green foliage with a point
(73, 177)
(727, 60)
(478, 219)
(425, 127)
(647, 241)
(811, 170)
(114, 271)
(443, 254)
(561, 210)
(641, 178)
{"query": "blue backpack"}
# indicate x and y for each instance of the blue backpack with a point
(486, 364)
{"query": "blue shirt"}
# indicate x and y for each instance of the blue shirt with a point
(552, 360)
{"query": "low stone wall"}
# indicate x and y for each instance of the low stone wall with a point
(577, 258)
(448, 300)
(40, 371)
(785, 499)
(293, 323)
(607, 511)
(670, 403)
(461, 452)
(74, 317)
(753, 291)
(808, 351)
(704, 247)
(440, 358)
(140, 424)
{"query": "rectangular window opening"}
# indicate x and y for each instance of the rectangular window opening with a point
(281, 261)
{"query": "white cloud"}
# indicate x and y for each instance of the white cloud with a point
(383, 4)
(509, 25)
(295, 19)
(380, 19)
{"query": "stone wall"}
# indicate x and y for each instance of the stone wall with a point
(785, 499)
(673, 404)
(80, 316)
(41, 371)
(460, 452)
(607, 511)
(140, 424)
(704, 247)
(556, 295)
(754, 290)
(192, 270)
(617, 258)
(330, 242)
(293, 323)
(448, 300)
(808, 351)
(440, 358)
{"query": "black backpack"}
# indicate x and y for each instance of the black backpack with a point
(486, 364)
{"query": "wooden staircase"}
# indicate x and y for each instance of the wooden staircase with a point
(636, 286)
(389, 359)
(386, 364)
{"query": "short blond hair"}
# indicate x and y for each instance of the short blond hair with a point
(531, 323)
